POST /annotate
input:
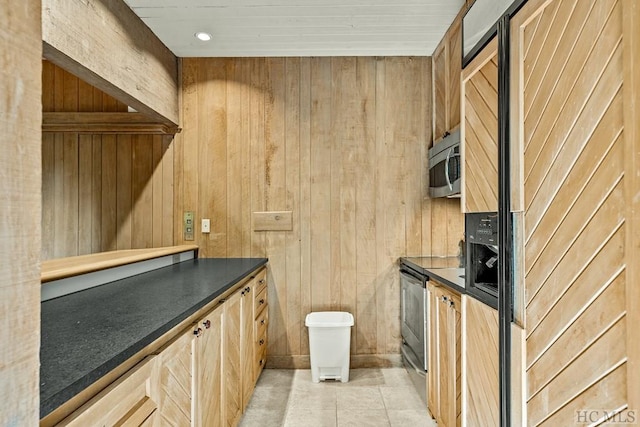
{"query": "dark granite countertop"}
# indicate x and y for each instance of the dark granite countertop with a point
(445, 270)
(86, 334)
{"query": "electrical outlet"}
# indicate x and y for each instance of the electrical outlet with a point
(188, 225)
(206, 225)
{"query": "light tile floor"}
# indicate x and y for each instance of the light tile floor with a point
(371, 398)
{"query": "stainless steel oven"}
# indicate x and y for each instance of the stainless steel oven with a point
(414, 317)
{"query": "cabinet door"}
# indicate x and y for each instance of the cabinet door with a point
(480, 132)
(131, 400)
(433, 307)
(247, 342)
(444, 398)
(176, 376)
(231, 369)
(482, 377)
(445, 355)
(440, 88)
(207, 368)
(454, 52)
(454, 342)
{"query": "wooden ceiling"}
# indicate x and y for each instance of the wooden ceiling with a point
(245, 28)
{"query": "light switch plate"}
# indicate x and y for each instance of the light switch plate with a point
(206, 225)
(188, 225)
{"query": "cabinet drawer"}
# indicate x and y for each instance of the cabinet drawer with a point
(260, 357)
(260, 301)
(260, 281)
(261, 325)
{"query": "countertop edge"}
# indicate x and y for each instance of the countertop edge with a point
(432, 273)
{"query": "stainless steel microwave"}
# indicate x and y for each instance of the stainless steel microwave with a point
(445, 167)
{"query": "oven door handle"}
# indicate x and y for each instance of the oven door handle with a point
(415, 276)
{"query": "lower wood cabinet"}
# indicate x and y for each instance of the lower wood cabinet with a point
(175, 381)
(131, 400)
(482, 388)
(444, 376)
(207, 378)
(204, 377)
(231, 369)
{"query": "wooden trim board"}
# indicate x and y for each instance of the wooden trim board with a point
(105, 123)
(631, 64)
(61, 268)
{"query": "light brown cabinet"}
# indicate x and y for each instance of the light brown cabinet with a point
(242, 347)
(447, 61)
(131, 400)
(480, 132)
(207, 379)
(444, 377)
(261, 323)
(175, 378)
(482, 389)
(204, 376)
(231, 369)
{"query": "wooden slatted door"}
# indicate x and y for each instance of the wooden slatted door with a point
(208, 369)
(482, 392)
(480, 132)
(569, 102)
(131, 400)
(176, 382)
(231, 369)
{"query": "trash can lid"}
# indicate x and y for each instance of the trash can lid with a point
(329, 319)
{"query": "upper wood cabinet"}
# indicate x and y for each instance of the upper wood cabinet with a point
(479, 132)
(447, 60)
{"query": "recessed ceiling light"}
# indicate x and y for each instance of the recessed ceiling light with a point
(201, 35)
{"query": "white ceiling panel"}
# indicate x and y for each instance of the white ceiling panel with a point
(243, 28)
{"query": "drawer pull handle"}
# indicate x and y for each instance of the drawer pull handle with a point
(261, 341)
(247, 289)
(197, 332)
(261, 362)
(261, 301)
(262, 322)
(261, 281)
(206, 324)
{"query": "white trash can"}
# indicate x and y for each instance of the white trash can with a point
(329, 344)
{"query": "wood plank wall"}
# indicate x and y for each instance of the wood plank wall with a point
(20, 118)
(571, 71)
(101, 192)
(340, 142)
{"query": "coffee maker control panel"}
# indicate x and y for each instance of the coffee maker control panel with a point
(482, 228)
